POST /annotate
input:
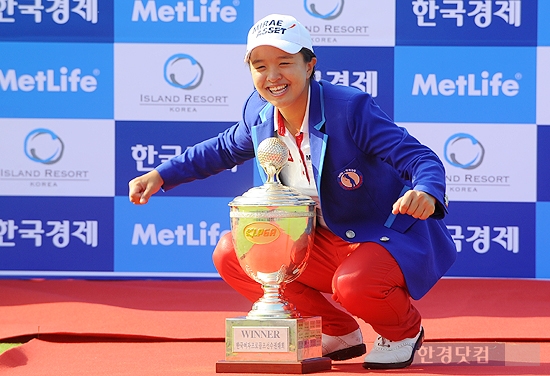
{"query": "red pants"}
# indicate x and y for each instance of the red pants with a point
(363, 277)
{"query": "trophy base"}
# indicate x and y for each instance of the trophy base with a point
(273, 346)
(301, 367)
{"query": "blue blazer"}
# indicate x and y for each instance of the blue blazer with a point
(362, 163)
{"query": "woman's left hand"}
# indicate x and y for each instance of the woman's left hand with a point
(418, 204)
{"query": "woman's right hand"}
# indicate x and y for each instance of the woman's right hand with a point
(143, 187)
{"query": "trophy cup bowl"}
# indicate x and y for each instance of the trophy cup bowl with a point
(273, 229)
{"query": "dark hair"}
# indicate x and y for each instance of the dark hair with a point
(308, 56)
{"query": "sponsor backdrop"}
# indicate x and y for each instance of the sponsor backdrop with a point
(96, 92)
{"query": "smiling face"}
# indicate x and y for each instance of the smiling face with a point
(281, 78)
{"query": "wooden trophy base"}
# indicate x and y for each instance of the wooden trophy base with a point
(300, 367)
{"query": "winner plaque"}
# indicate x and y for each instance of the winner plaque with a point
(273, 227)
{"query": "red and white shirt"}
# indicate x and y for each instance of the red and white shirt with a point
(298, 172)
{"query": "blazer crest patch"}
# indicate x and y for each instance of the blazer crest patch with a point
(350, 179)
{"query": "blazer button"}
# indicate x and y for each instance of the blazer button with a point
(350, 234)
(384, 239)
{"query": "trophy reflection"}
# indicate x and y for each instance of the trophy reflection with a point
(273, 227)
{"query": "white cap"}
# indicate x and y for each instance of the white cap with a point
(281, 31)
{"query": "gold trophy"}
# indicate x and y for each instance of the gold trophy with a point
(273, 228)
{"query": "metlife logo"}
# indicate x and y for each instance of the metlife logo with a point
(465, 84)
(335, 22)
(67, 80)
(466, 23)
(184, 21)
(169, 235)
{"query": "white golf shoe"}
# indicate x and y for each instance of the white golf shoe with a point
(388, 354)
(344, 347)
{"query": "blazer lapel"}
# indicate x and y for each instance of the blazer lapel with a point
(262, 131)
(317, 138)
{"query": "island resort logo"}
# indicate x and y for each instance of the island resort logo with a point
(464, 151)
(183, 71)
(324, 9)
(44, 146)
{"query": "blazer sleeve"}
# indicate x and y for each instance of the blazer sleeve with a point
(376, 134)
(232, 147)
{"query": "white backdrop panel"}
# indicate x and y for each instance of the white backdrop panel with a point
(484, 162)
(187, 82)
(57, 157)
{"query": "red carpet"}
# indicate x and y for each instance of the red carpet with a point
(163, 309)
(165, 327)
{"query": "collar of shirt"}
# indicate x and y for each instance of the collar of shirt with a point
(298, 172)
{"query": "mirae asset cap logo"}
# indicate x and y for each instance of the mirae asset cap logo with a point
(270, 27)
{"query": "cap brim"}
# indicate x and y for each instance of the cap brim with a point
(288, 47)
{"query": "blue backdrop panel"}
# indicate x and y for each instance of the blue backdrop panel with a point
(56, 233)
(368, 69)
(143, 145)
(41, 21)
(56, 80)
(543, 240)
(543, 24)
(438, 67)
(168, 21)
(466, 23)
(169, 234)
(493, 239)
(465, 84)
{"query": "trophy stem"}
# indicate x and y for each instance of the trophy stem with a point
(272, 305)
